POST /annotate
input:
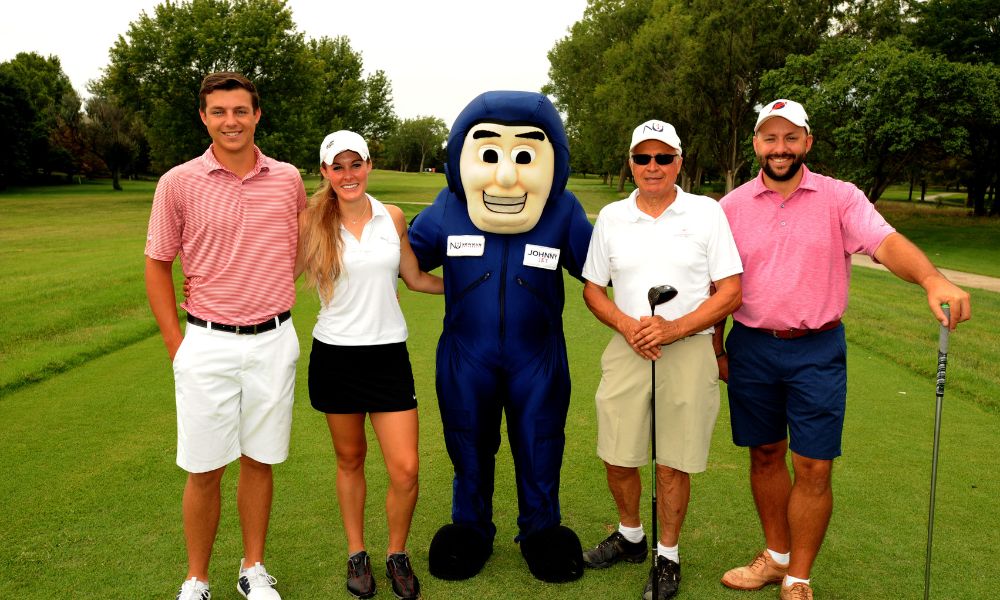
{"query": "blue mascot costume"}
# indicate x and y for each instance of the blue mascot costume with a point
(502, 230)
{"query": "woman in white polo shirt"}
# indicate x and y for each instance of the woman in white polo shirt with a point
(352, 249)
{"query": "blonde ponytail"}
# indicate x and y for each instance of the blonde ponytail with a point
(320, 244)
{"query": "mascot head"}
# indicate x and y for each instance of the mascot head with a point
(507, 155)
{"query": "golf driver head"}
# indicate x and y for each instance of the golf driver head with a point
(658, 294)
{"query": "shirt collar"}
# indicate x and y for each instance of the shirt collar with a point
(679, 206)
(808, 182)
(261, 162)
(379, 211)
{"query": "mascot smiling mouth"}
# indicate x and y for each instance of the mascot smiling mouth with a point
(504, 204)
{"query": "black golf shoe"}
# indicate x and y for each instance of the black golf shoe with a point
(613, 549)
(668, 579)
(360, 582)
(405, 585)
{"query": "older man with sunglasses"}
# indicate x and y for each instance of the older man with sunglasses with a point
(658, 235)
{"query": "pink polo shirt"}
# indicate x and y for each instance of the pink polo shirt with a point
(796, 252)
(237, 238)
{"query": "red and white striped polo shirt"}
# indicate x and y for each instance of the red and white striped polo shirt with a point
(237, 238)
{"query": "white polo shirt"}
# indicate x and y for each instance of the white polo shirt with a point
(688, 246)
(364, 310)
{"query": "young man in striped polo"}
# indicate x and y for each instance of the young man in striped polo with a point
(231, 215)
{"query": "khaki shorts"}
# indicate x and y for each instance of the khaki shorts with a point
(687, 403)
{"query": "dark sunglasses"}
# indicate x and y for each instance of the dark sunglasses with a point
(661, 159)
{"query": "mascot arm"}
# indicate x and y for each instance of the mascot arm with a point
(425, 234)
(578, 239)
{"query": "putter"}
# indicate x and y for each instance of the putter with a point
(657, 295)
(942, 366)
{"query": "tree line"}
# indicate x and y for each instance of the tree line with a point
(896, 90)
(141, 116)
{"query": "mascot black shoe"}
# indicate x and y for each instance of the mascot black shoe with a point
(458, 552)
(553, 555)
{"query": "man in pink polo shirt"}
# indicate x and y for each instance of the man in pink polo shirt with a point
(232, 216)
(796, 231)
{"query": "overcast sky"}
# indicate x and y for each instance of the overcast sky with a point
(438, 54)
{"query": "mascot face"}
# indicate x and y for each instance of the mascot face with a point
(507, 173)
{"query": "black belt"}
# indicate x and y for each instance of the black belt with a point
(261, 327)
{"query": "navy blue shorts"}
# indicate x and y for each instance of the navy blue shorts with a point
(795, 388)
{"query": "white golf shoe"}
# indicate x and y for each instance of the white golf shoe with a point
(255, 583)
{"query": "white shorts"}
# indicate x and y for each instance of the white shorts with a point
(687, 403)
(234, 396)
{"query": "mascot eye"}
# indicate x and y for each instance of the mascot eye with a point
(490, 154)
(523, 155)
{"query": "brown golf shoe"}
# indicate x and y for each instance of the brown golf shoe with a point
(763, 570)
(797, 591)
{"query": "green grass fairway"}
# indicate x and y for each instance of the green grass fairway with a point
(951, 237)
(93, 498)
(91, 493)
(935, 195)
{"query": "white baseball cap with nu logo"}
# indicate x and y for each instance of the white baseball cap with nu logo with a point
(656, 130)
(789, 110)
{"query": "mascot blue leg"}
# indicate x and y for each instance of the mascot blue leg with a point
(470, 412)
(535, 397)
(536, 419)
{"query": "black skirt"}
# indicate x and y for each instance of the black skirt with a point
(361, 379)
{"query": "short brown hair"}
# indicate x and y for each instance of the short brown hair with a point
(226, 80)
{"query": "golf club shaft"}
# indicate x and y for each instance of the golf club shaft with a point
(657, 295)
(941, 368)
(652, 435)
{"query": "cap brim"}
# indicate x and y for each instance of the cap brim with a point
(785, 117)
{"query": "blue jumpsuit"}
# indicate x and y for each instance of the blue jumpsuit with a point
(502, 346)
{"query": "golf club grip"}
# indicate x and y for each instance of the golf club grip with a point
(943, 352)
(943, 338)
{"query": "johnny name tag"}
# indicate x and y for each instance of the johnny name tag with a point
(541, 257)
(466, 245)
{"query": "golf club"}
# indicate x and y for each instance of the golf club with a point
(657, 295)
(942, 366)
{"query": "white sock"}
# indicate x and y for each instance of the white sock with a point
(673, 552)
(790, 581)
(632, 534)
(781, 559)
